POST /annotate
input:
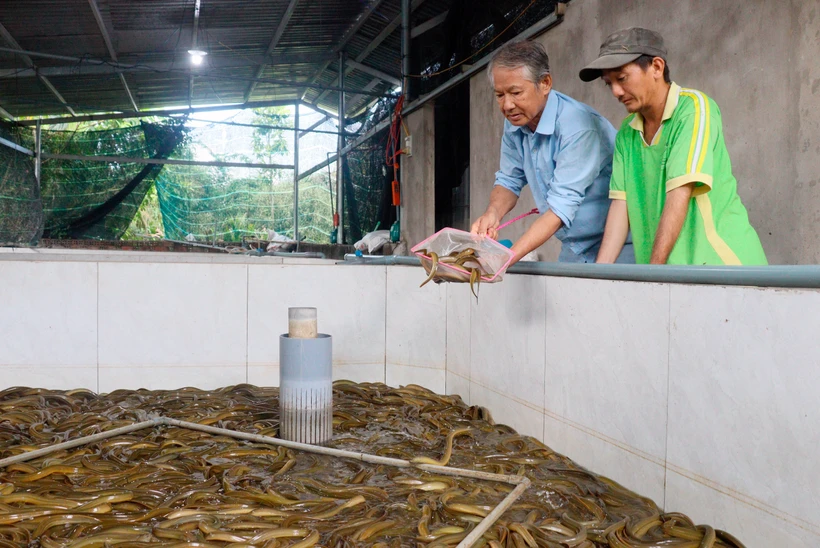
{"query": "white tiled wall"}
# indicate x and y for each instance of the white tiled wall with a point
(116, 320)
(52, 377)
(459, 303)
(48, 317)
(350, 303)
(744, 408)
(755, 525)
(48, 324)
(506, 409)
(606, 337)
(606, 456)
(169, 377)
(455, 384)
(702, 398)
(416, 324)
(172, 325)
(400, 375)
(507, 342)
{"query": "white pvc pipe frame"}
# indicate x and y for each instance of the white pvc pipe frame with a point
(521, 483)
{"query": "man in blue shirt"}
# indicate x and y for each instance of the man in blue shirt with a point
(560, 147)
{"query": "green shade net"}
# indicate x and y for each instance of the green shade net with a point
(100, 199)
(367, 201)
(223, 204)
(21, 210)
(367, 189)
(93, 199)
(228, 204)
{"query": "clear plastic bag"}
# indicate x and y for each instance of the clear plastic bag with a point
(492, 257)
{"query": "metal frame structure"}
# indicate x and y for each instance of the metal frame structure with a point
(340, 173)
(130, 45)
(368, 80)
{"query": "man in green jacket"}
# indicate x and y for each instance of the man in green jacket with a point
(672, 181)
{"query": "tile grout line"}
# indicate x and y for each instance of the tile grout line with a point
(384, 347)
(470, 354)
(446, 333)
(97, 330)
(668, 384)
(544, 399)
(578, 426)
(247, 321)
(746, 499)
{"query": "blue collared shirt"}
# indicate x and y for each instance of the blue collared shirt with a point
(567, 161)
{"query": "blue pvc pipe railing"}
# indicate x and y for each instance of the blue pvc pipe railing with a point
(804, 276)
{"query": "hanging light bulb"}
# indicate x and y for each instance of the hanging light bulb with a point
(197, 55)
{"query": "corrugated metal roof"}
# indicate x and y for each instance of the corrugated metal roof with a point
(151, 39)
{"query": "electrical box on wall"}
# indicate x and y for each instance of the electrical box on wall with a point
(408, 145)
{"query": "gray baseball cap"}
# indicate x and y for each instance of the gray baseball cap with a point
(623, 47)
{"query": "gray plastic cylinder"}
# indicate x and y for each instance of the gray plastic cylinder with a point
(306, 389)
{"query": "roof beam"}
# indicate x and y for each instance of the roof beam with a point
(311, 129)
(388, 30)
(91, 66)
(353, 65)
(106, 34)
(330, 115)
(7, 114)
(13, 43)
(161, 161)
(280, 30)
(429, 24)
(374, 72)
(314, 125)
(346, 37)
(15, 146)
(214, 74)
(358, 97)
(149, 113)
(376, 42)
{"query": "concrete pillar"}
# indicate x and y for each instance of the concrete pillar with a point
(418, 208)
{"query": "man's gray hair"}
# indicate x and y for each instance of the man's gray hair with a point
(527, 54)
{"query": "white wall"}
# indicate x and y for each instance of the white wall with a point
(703, 398)
(109, 320)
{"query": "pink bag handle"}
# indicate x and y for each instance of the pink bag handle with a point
(511, 221)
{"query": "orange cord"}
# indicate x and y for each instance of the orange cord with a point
(394, 149)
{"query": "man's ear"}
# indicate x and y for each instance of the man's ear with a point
(546, 84)
(658, 64)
